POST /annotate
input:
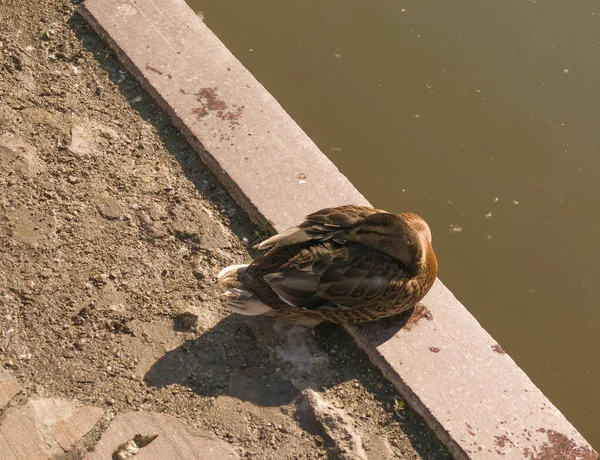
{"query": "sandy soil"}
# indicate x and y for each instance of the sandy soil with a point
(111, 234)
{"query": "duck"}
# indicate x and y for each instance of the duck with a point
(346, 264)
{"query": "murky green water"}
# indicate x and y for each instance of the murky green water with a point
(482, 116)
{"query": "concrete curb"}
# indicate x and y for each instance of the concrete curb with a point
(470, 392)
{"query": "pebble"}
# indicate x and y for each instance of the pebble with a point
(198, 274)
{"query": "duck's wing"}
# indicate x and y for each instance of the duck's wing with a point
(331, 276)
(293, 272)
(358, 277)
(322, 225)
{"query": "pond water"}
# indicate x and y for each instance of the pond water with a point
(484, 118)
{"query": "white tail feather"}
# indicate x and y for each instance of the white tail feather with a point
(244, 302)
(237, 299)
(230, 269)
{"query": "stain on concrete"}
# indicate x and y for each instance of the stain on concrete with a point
(498, 349)
(469, 429)
(153, 69)
(559, 447)
(434, 349)
(211, 103)
(503, 441)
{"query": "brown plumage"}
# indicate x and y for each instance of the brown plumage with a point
(348, 264)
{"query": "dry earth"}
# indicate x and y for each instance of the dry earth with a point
(111, 234)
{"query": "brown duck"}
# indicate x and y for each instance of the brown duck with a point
(348, 264)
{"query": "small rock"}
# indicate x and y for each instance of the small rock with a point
(133, 446)
(82, 139)
(109, 208)
(338, 426)
(125, 450)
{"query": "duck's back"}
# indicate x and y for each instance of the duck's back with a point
(331, 279)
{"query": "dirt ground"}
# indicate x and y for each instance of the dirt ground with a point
(111, 234)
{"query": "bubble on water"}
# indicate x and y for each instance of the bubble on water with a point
(515, 202)
(488, 215)
(455, 229)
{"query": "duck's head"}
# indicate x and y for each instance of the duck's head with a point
(405, 237)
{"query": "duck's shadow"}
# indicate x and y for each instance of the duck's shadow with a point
(225, 360)
(248, 359)
(242, 358)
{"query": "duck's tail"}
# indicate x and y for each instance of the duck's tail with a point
(236, 296)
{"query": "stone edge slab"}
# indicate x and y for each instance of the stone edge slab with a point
(473, 395)
(9, 387)
(45, 428)
(174, 440)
